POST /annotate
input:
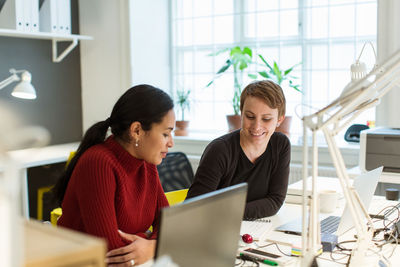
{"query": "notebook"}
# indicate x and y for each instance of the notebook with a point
(204, 230)
(258, 229)
(365, 185)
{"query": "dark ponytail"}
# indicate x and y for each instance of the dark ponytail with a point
(143, 103)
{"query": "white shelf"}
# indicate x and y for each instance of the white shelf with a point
(73, 38)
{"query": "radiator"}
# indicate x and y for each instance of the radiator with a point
(296, 172)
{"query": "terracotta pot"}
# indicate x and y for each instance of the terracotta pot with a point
(234, 122)
(181, 128)
(285, 126)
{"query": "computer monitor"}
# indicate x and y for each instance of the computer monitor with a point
(204, 230)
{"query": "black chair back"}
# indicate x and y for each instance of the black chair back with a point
(175, 172)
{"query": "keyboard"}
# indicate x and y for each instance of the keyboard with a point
(257, 229)
(330, 224)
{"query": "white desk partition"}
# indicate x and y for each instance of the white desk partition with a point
(33, 157)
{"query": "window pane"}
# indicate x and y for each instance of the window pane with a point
(338, 80)
(292, 4)
(289, 22)
(222, 7)
(203, 62)
(223, 29)
(366, 19)
(203, 31)
(187, 66)
(267, 24)
(263, 5)
(319, 86)
(341, 21)
(185, 32)
(250, 25)
(202, 8)
(319, 57)
(341, 56)
(318, 23)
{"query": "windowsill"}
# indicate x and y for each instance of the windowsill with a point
(194, 144)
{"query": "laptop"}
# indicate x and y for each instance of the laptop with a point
(365, 185)
(204, 230)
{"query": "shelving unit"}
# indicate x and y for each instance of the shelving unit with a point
(73, 38)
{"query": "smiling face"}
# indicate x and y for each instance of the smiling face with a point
(153, 144)
(258, 121)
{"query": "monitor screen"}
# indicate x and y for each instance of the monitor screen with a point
(204, 230)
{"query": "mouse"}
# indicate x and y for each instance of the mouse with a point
(247, 238)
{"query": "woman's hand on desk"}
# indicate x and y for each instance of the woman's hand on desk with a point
(140, 250)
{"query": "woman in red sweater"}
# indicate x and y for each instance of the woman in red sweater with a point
(111, 188)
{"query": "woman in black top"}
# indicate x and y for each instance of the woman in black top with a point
(255, 154)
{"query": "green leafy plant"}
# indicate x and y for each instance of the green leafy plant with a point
(239, 59)
(277, 74)
(183, 101)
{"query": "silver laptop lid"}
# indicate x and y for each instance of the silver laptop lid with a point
(204, 230)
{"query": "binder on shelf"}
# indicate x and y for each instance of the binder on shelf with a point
(48, 16)
(12, 15)
(27, 5)
(64, 16)
(34, 15)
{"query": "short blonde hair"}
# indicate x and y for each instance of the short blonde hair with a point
(268, 91)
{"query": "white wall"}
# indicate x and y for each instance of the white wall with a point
(388, 43)
(105, 68)
(150, 42)
(115, 60)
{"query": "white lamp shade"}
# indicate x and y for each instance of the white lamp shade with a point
(24, 89)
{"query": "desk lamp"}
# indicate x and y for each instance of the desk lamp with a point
(24, 89)
(364, 92)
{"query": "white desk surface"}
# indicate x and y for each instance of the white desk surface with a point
(292, 211)
(32, 157)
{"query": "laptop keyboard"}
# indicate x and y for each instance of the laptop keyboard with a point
(330, 224)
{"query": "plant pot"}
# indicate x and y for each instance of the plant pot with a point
(234, 122)
(181, 128)
(285, 126)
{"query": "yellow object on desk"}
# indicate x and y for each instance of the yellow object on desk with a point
(177, 196)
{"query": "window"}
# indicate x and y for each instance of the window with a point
(326, 36)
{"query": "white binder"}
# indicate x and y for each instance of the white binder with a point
(48, 16)
(27, 5)
(64, 16)
(34, 15)
(12, 15)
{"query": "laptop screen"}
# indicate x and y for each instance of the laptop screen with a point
(204, 230)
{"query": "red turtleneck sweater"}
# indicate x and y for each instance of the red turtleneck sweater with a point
(109, 190)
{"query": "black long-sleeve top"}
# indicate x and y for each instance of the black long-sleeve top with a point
(224, 163)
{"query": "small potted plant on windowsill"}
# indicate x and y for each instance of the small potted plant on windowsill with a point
(279, 76)
(183, 103)
(239, 59)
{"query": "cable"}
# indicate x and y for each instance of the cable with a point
(283, 253)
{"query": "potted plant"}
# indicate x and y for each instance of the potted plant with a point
(238, 59)
(183, 103)
(278, 75)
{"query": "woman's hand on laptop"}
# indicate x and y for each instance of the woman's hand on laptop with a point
(137, 252)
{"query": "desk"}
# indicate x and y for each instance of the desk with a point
(289, 212)
(46, 245)
(33, 157)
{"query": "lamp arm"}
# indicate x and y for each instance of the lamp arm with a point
(13, 78)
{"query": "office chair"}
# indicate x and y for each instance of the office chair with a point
(175, 172)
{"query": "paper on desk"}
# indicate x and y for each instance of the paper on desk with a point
(257, 229)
